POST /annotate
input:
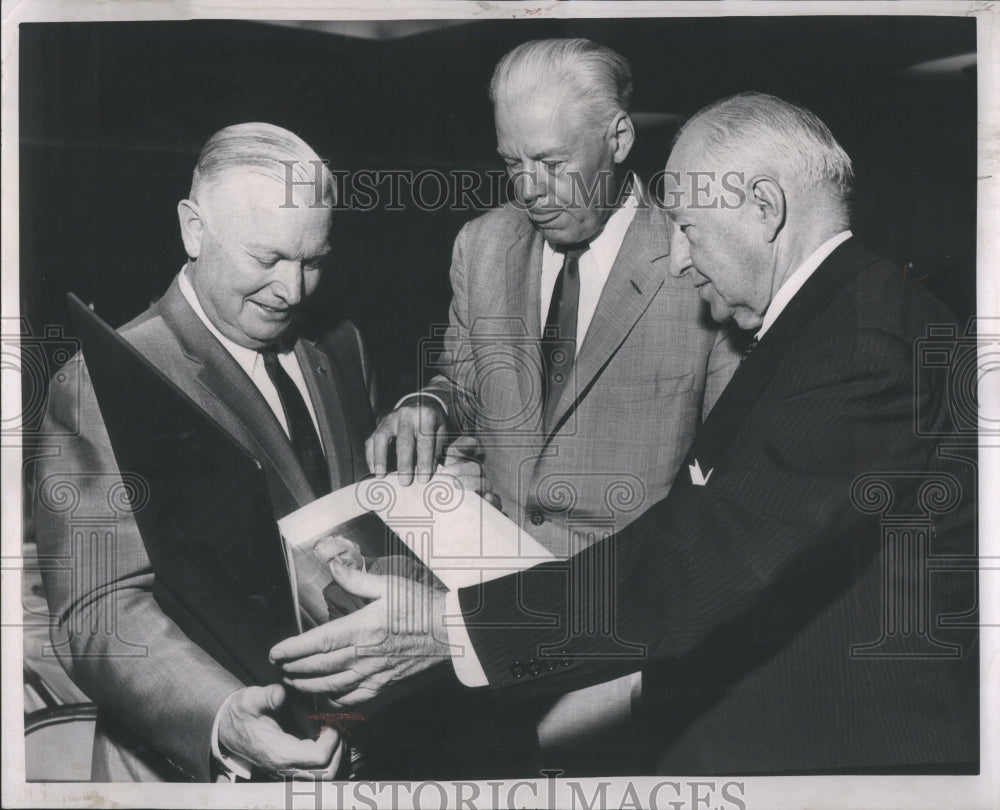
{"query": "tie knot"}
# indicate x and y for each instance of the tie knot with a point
(572, 253)
(270, 358)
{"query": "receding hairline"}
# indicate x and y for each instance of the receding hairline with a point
(725, 129)
(263, 149)
(586, 73)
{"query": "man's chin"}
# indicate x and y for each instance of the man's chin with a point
(267, 334)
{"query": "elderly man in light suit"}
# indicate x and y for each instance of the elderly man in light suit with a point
(583, 429)
(223, 333)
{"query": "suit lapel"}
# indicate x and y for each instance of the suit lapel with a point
(726, 417)
(636, 275)
(244, 412)
(523, 300)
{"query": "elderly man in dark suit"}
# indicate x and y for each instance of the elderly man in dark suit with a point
(779, 599)
(224, 333)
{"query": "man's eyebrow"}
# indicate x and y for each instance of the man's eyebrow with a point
(264, 250)
(541, 155)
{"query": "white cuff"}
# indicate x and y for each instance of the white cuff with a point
(463, 656)
(435, 397)
(231, 766)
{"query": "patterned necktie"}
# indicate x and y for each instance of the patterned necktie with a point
(559, 352)
(750, 347)
(301, 430)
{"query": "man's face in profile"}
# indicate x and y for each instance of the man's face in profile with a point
(713, 242)
(561, 164)
(256, 261)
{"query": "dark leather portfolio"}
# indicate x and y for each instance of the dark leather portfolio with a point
(208, 524)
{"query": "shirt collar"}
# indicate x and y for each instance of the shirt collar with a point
(247, 358)
(608, 242)
(605, 246)
(795, 281)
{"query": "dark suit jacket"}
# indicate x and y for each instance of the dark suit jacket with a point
(157, 691)
(781, 612)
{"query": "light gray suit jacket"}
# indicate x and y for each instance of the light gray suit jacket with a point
(651, 366)
(157, 692)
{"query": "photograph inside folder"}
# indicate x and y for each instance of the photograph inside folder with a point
(457, 535)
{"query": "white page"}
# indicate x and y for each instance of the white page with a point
(459, 536)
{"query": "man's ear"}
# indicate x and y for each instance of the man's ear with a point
(192, 227)
(622, 135)
(768, 202)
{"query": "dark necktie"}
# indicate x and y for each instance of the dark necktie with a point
(301, 430)
(559, 352)
(750, 347)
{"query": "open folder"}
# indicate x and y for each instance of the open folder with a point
(223, 572)
(456, 534)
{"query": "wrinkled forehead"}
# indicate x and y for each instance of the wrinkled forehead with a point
(261, 200)
(540, 112)
(693, 171)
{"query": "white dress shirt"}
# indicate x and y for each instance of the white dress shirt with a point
(795, 281)
(594, 266)
(252, 363)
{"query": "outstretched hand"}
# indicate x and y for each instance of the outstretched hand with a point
(359, 656)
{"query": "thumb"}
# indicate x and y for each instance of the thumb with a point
(359, 583)
(264, 699)
(466, 446)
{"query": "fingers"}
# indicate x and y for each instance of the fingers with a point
(427, 453)
(338, 683)
(377, 446)
(247, 729)
(291, 753)
(360, 583)
(333, 662)
(419, 431)
(327, 637)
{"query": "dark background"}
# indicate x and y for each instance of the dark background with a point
(113, 116)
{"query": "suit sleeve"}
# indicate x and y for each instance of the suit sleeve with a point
(454, 384)
(777, 509)
(108, 632)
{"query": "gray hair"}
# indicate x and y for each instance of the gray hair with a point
(598, 78)
(760, 126)
(263, 149)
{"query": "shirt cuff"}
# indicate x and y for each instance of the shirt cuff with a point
(231, 766)
(435, 397)
(463, 657)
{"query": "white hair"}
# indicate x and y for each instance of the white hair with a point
(597, 78)
(263, 149)
(764, 128)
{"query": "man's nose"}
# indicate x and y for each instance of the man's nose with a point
(680, 255)
(532, 185)
(288, 282)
